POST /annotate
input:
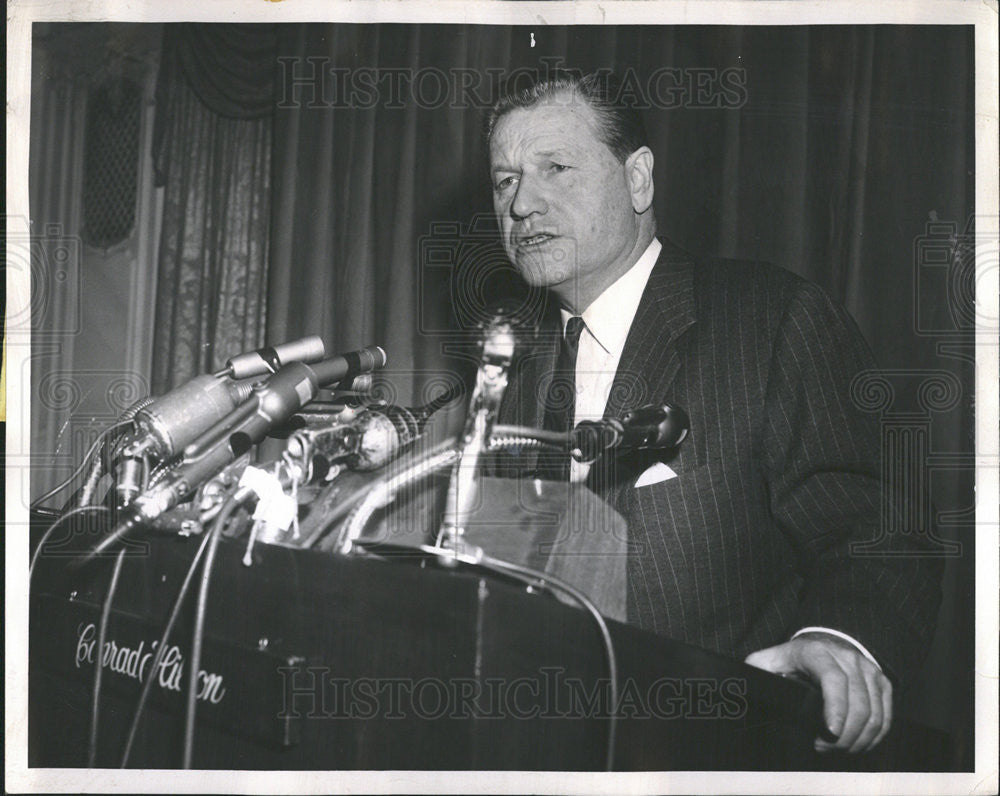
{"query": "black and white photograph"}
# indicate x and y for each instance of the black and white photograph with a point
(500, 397)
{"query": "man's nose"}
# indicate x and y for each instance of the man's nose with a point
(528, 200)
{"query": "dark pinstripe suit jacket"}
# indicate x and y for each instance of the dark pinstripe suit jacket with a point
(780, 472)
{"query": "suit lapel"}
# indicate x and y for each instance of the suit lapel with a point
(650, 358)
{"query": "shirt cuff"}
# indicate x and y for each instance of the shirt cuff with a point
(849, 639)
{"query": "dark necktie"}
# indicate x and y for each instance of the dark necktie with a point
(560, 403)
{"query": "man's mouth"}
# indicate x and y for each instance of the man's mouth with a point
(527, 241)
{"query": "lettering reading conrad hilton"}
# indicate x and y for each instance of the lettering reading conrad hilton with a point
(133, 662)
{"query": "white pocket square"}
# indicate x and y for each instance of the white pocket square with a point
(656, 473)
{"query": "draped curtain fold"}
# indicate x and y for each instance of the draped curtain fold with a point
(215, 98)
(58, 114)
(365, 187)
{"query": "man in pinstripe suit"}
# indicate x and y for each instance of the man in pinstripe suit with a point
(742, 541)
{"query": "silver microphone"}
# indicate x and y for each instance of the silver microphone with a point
(270, 358)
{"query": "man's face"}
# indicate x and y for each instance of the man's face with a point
(562, 200)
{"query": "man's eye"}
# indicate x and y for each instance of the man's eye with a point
(505, 183)
(557, 167)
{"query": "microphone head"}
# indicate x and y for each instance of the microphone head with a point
(379, 358)
(348, 365)
(662, 426)
(271, 358)
(377, 441)
(513, 324)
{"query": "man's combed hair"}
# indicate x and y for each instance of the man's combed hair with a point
(620, 124)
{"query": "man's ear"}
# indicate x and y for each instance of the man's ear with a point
(639, 174)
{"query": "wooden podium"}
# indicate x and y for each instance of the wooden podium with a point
(320, 661)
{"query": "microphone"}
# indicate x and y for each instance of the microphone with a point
(175, 420)
(272, 402)
(648, 427)
(347, 366)
(271, 359)
(499, 344)
(373, 436)
(166, 425)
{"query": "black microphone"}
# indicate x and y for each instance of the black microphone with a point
(346, 366)
(651, 426)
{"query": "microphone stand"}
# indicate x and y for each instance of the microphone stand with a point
(491, 381)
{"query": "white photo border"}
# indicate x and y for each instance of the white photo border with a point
(982, 15)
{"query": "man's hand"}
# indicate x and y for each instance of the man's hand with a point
(857, 697)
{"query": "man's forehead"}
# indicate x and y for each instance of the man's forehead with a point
(549, 127)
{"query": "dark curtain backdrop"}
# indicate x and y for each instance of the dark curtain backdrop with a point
(371, 203)
(844, 144)
(850, 140)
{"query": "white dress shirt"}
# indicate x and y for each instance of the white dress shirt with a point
(608, 320)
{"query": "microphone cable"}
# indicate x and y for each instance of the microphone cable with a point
(407, 462)
(611, 658)
(161, 648)
(103, 463)
(331, 518)
(214, 535)
(51, 529)
(95, 707)
(441, 455)
(535, 578)
(101, 438)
